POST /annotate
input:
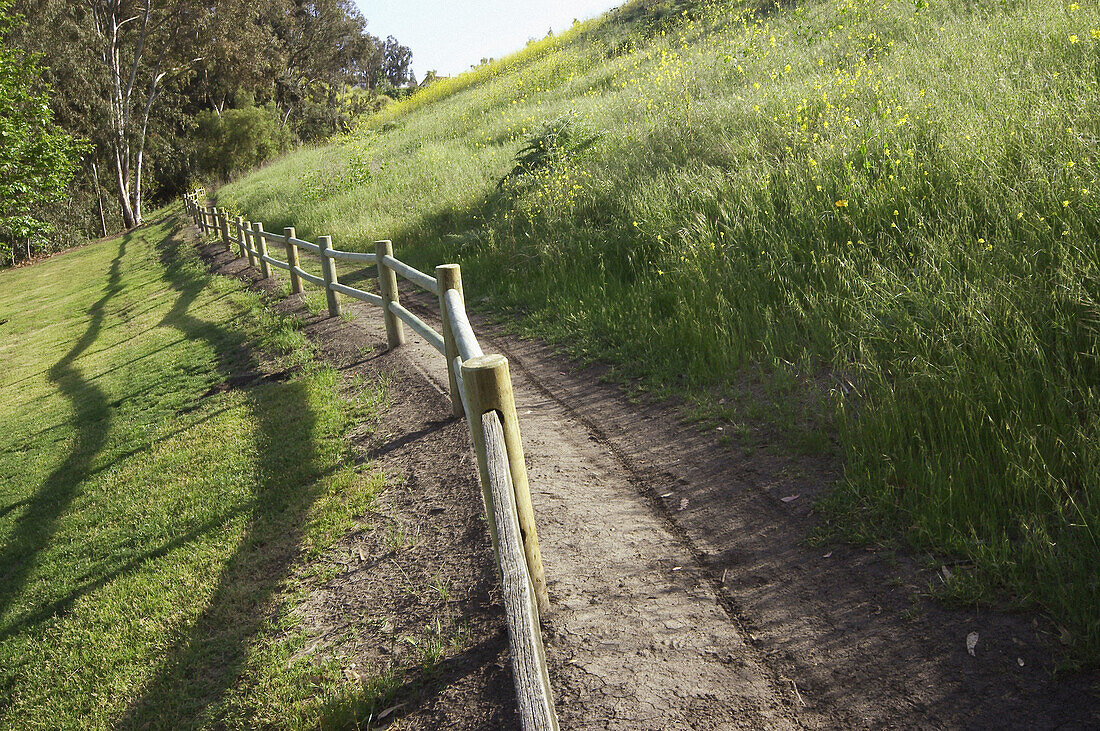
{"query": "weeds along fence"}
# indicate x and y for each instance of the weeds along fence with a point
(480, 388)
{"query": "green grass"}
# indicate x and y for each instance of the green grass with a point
(154, 523)
(887, 210)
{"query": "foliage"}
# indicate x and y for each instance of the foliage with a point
(132, 77)
(239, 139)
(37, 160)
(838, 194)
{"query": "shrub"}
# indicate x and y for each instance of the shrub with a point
(557, 140)
(236, 140)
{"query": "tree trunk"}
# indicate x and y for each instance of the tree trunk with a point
(99, 199)
(125, 205)
(137, 188)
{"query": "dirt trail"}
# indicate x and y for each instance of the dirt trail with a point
(637, 637)
(683, 596)
(632, 500)
(851, 629)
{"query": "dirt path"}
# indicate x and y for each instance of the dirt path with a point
(683, 594)
(638, 637)
(852, 629)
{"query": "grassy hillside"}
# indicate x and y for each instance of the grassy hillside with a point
(887, 210)
(152, 513)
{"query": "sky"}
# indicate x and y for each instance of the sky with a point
(450, 37)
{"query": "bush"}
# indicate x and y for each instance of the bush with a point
(236, 140)
(557, 140)
(37, 159)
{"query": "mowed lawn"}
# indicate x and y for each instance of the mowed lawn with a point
(158, 494)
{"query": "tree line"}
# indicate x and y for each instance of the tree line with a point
(108, 104)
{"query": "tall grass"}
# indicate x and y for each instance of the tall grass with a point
(900, 199)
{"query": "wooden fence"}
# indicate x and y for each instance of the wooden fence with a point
(480, 389)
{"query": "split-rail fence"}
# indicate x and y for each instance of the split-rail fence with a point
(480, 389)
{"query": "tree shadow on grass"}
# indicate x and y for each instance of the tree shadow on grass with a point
(207, 657)
(91, 418)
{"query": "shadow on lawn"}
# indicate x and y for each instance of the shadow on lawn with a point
(207, 656)
(91, 415)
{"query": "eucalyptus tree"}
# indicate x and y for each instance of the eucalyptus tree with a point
(132, 77)
(142, 44)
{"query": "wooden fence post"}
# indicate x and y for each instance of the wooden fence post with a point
(292, 259)
(261, 246)
(488, 386)
(224, 222)
(328, 270)
(387, 286)
(246, 237)
(449, 276)
(240, 235)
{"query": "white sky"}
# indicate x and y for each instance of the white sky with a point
(449, 37)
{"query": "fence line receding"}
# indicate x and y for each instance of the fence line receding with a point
(480, 389)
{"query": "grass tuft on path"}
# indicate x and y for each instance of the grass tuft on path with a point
(170, 451)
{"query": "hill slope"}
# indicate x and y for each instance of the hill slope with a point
(886, 211)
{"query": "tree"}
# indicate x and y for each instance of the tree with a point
(132, 76)
(395, 62)
(238, 139)
(37, 160)
(143, 44)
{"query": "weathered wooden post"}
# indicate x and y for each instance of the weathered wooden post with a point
(249, 245)
(223, 221)
(240, 236)
(261, 247)
(449, 276)
(534, 696)
(387, 286)
(488, 387)
(328, 271)
(292, 259)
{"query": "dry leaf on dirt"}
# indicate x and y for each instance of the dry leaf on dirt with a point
(388, 711)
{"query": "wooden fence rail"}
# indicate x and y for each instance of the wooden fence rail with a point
(481, 389)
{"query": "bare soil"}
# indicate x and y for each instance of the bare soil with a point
(684, 593)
